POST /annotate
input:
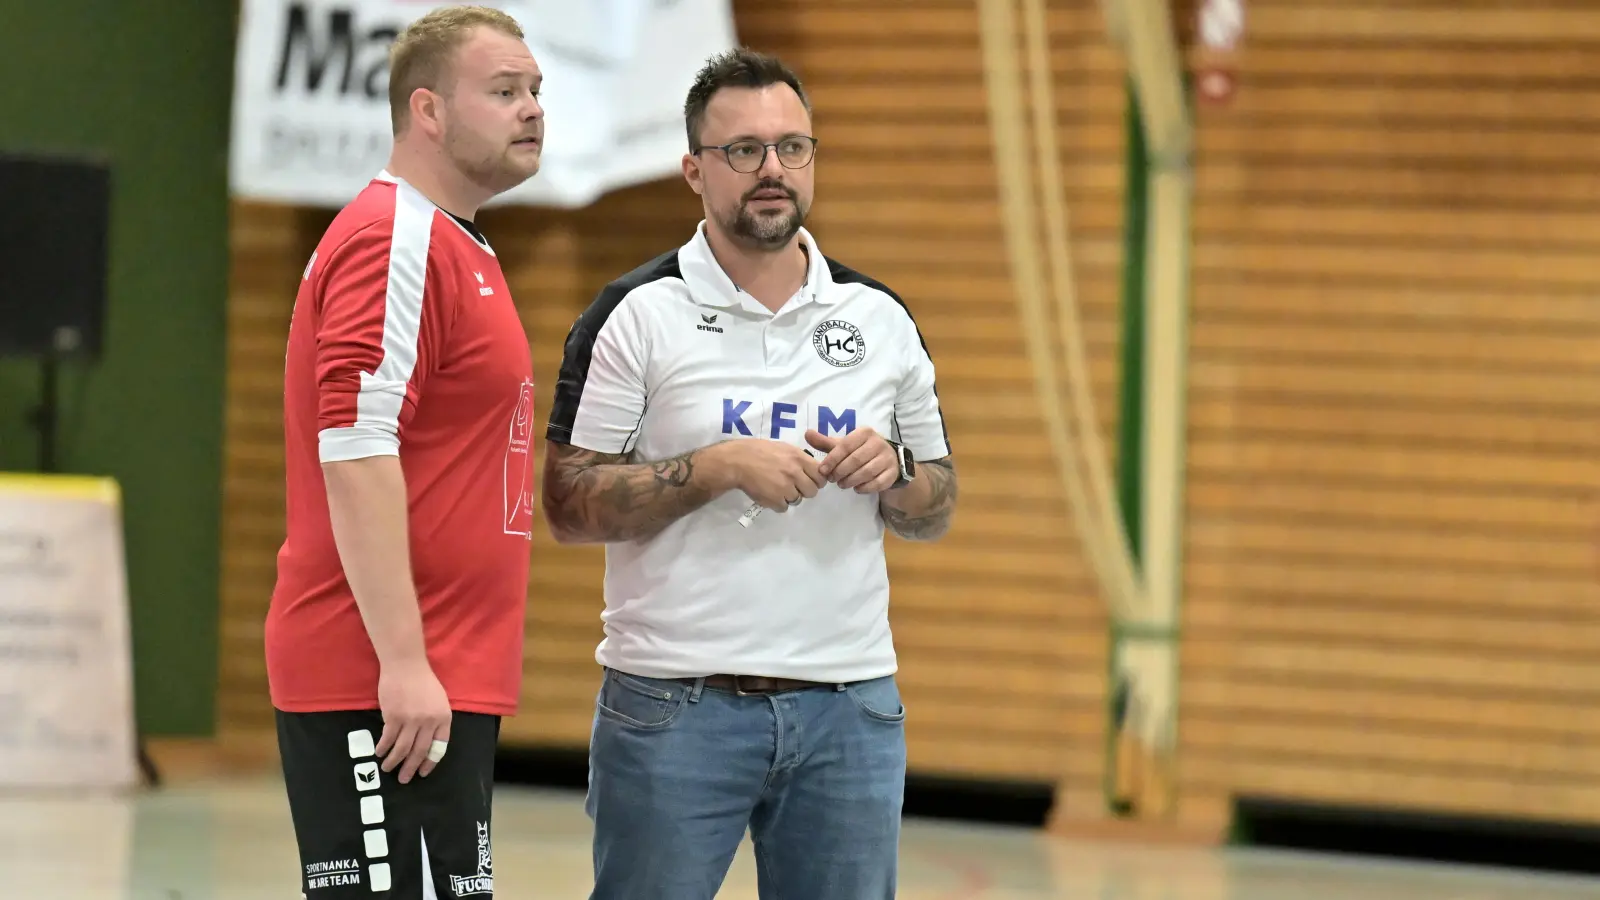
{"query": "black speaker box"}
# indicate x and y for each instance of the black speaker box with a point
(54, 219)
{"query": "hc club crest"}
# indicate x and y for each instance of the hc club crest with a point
(839, 343)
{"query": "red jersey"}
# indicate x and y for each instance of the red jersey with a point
(405, 341)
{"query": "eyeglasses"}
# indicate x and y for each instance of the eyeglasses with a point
(744, 157)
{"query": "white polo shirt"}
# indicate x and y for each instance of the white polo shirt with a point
(673, 357)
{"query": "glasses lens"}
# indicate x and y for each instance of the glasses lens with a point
(795, 152)
(746, 156)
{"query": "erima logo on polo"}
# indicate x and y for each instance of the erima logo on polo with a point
(709, 323)
(776, 418)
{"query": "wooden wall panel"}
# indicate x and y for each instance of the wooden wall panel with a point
(1000, 630)
(1393, 433)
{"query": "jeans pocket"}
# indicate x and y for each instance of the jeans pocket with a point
(645, 703)
(878, 699)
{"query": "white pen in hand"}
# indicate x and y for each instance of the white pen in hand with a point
(756, 508)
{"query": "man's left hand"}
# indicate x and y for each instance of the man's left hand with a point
(862, 460)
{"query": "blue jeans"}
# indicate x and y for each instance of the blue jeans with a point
(678, 771)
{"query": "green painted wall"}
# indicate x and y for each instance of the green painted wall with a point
(147, 84)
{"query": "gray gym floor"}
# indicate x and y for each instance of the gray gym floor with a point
(230, 840)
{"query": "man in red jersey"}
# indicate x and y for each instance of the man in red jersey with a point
(394, 639)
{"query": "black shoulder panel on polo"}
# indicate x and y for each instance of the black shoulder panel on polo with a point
(843, 274)
(581, 338)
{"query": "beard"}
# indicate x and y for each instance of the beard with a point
(482, 165)
(769, 229)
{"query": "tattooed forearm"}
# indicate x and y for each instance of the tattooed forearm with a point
(600, 498)
(921, 510)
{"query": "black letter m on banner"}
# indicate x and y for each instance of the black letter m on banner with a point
(340, 42)
(339, 49)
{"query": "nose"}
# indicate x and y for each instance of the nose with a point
(770, 167)
(532, 108)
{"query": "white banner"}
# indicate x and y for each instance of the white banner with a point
(311, 107)
(66, 670)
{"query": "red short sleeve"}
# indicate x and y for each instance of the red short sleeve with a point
(378, 326)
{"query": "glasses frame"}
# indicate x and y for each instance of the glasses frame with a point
(765, 149)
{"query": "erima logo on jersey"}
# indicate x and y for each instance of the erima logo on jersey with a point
(367, 776)
(709, 323)
(773, 419)
(485, 290)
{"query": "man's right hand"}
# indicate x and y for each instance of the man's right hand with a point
(772, 473)
(416, 712)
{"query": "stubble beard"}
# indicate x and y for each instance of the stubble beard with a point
(488, 170)
(765, 231)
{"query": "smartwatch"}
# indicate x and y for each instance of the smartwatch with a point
(908, 465)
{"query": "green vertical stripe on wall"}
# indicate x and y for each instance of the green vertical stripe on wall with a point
(146, 85)
(1130, 419)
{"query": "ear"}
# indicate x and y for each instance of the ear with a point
(425, 111)
(692, 173)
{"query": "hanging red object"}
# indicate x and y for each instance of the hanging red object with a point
(1219, 28)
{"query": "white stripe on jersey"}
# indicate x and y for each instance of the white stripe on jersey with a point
(377, 426)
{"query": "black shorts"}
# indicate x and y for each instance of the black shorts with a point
(364, 834)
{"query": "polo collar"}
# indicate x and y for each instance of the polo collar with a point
(710, 285)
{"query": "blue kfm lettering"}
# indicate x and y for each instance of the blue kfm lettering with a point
(772, 420)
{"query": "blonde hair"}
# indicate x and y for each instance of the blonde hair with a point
(421, 55)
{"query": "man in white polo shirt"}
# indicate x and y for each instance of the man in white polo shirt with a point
(739, 420)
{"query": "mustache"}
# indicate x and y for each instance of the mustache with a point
(769, 185)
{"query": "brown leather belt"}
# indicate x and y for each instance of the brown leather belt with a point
(759, 684)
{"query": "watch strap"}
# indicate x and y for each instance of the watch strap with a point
(908, 465)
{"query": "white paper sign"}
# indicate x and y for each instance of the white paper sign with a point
(311, 107)
(66, 682)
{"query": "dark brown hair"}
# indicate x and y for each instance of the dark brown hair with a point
(737, 68)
